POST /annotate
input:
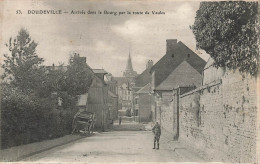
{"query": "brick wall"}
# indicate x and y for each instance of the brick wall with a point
(220, 118)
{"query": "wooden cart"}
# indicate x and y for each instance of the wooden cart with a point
(83, 122)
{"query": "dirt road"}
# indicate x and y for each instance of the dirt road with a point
(115, 146)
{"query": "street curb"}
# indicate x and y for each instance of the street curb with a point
(20, 152)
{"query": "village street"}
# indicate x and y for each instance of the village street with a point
(116, 146)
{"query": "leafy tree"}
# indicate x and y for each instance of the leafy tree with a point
(229, 32)
(79, 75)
(56, 78)
(23, 66)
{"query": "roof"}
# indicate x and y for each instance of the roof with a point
(144, 78)
(82, 100)
(121, 80)
(176, 55)
(99, 71)
(145, 89)
(111, 94)
(135, 89)
(210, 62)
(183, 75)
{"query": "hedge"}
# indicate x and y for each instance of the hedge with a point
(27, 118)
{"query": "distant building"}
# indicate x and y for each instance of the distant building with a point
(112, 105)
(124, 88)
(124, 91)
(112, 84)
(142, 104)
(142, 94)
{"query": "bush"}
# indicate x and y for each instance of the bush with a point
(27, 118)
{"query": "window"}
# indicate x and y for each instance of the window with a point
(136, 101)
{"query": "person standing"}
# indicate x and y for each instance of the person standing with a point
(157, 133)
(120, 120)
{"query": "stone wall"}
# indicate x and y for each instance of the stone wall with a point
(145, 107)
(220, 118)
(167, 115)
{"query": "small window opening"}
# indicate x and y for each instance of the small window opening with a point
(172, 55)
(188, 55)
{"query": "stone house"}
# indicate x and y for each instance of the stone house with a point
(180, 66)
(142, 103)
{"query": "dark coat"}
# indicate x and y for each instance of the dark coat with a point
(157, 130)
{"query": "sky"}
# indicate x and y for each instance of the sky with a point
(104, 39)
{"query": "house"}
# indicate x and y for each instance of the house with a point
(145, 77)
(125, 96)
(142, 103)
(179, 67)
(112, 105)
(141, 95)
(97, 101)
(112, 84)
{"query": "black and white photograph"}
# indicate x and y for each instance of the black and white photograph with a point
(129, 81)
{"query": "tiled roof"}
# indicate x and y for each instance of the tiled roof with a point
(176, 55)
(145, 89)
(183, 75)
(144, 78)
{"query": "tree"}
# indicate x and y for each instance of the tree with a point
(228, 32)
(79, 75)
(23, 66)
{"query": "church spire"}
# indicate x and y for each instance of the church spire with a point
(129, 71)
(129, 66)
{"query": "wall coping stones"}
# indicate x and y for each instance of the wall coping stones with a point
(217, 82)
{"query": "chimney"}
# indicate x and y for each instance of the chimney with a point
(170, 44)
(149, 64)
(84, 59)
